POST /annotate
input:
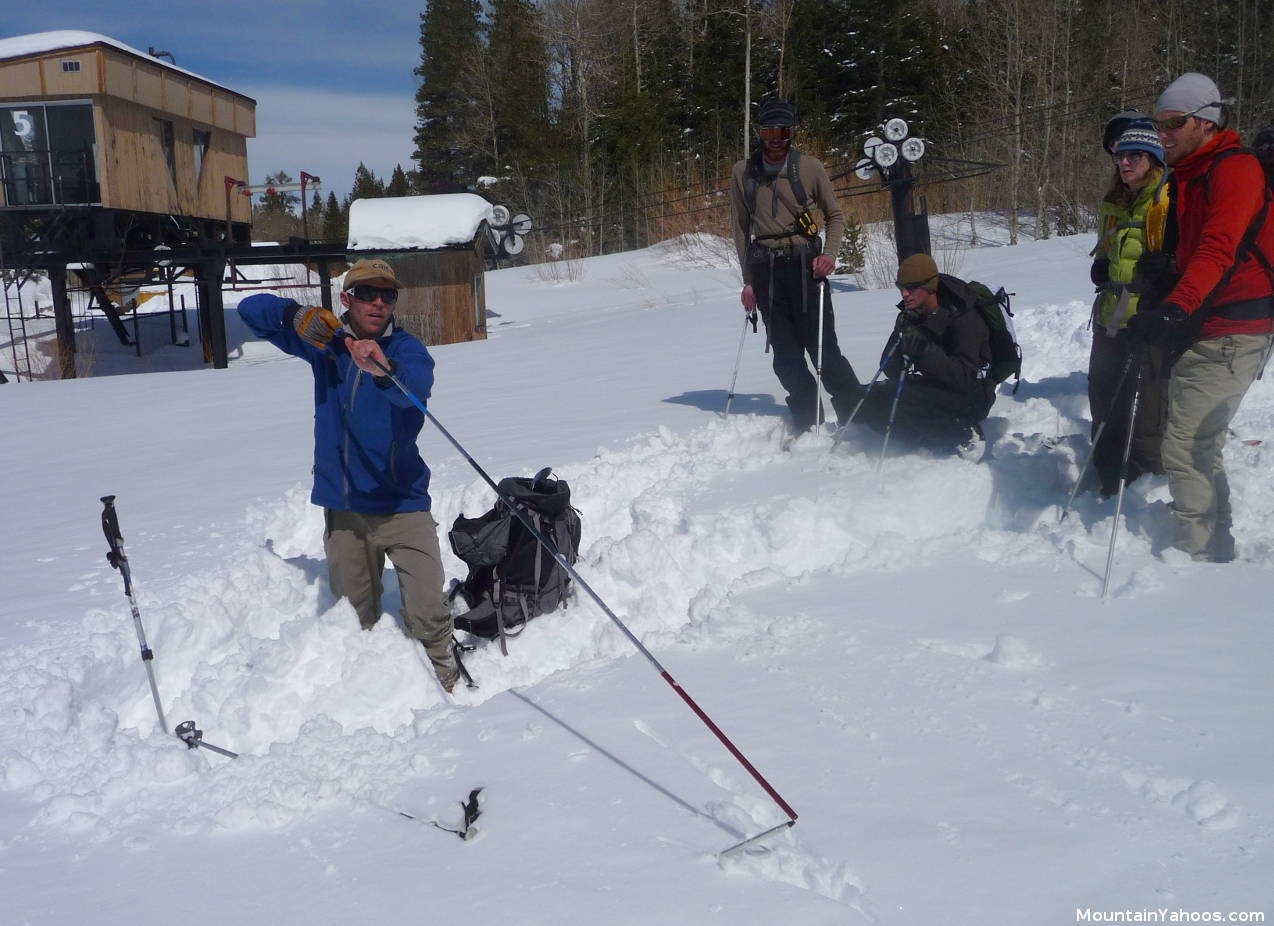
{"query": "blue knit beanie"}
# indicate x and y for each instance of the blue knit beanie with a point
(776, 112)
(1141, 136)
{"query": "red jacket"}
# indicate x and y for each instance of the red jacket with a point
(1209, 231)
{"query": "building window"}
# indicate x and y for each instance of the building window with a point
(48, 154)
(166, 137)
(202, 142)
(70, 65)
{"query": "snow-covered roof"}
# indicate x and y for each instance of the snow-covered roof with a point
(416, 222)
(38, 43)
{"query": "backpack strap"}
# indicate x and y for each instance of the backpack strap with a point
(1157, 216)
(1247, 248)
(752, 182)
(794, 177)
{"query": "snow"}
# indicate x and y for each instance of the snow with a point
(416, 222)
(38, 43)
(916, 657)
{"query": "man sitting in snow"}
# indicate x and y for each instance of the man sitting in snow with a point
(368, 475)
(942, 347)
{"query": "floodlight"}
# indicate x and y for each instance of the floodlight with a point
(866, 170)
(896, 129)
(500, 215)
(869, 146)
(886, 154)
(913, 149)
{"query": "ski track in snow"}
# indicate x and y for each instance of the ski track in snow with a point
(679, 529)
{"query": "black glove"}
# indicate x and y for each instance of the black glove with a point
(914, 341)
(1154, 269)
(1158, 325)
(1099, 272)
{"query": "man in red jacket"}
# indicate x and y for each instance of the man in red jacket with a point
(1220, 306)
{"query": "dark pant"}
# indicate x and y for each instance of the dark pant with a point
(1111, 402)
(790, 300)
(928, 417)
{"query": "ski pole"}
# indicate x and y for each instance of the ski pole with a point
(187, 732)
(738, 358)
(824, 290)
(893, 411)
(1097, 438)
(1123, 481)
(552, 550)
(118, 560)
(840, 431)
(192, 736)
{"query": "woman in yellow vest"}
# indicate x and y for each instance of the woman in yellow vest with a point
(1131, 224)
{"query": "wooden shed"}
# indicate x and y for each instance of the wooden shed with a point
(88, 121)
(437, 247)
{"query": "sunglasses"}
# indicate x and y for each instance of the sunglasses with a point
(1173, 123)
(365, 293)
(911, 287)
(771, 132)
(1133, 156)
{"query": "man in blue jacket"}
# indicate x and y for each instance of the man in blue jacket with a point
(368, 475)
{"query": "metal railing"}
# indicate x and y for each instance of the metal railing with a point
(49, 177)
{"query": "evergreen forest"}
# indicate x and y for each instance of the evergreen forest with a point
(614, 122)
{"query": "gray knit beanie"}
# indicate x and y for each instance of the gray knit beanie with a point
(1192, 93)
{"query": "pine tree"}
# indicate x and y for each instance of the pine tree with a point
(448, 155)
(272, 216)
(335, 220)
(314, 218)
(398, 185)
(518, 63)
(366, 186)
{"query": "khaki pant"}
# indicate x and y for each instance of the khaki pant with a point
(356, 546)
(1208, 383)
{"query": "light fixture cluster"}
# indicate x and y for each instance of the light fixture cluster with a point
(880, 154)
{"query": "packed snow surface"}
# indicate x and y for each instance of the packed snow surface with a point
(913, 652)
(419, 222)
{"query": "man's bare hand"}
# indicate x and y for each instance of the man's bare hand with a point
(822, 266)
(364, 352)
(748, 298)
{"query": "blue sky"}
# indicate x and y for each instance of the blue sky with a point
(333, 81)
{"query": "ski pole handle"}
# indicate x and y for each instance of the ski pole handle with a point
(110, 527)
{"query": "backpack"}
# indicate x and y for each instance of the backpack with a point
(996, 311)
(512, 577)
(1256, 239)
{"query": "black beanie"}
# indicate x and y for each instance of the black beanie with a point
(776, 112)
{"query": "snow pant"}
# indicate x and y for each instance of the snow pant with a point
(1111, 401)
(1208, 383)
(927, 417)
(356, 546)
(790, 300)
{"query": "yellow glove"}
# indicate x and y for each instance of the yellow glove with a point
(315, 325)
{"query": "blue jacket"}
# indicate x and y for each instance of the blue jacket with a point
(365, 429)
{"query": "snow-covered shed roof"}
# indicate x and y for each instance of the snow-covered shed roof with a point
(38, 43)
(422, 223)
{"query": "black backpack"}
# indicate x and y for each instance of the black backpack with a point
(512, 578)
(996, 310)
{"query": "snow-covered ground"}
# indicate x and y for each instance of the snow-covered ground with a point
(917, 658)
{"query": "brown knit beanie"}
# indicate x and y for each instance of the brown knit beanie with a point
(919, 270)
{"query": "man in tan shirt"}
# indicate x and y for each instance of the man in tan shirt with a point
(785, 263)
